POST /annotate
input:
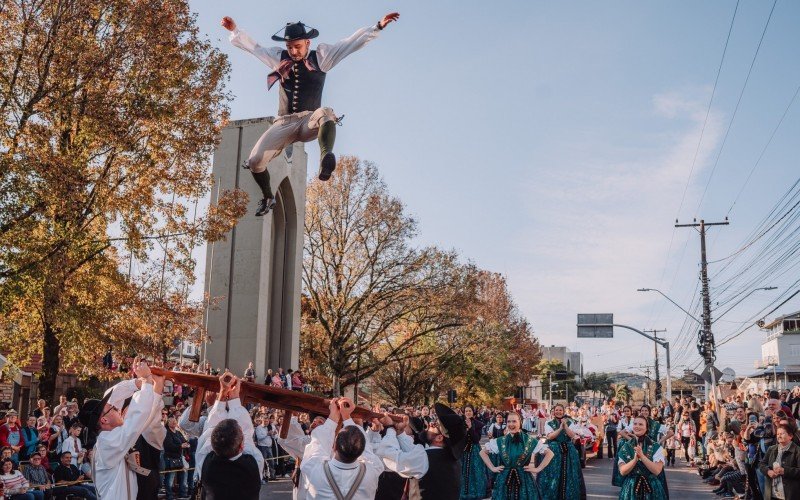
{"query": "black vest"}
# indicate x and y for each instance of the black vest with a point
(224, 479)
(443, 479)
(150, 458)
(301, 90)
(390, 486)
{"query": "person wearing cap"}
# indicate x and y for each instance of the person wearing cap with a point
(301, 73)
(444, 441)
(227, 461)
(114, 434)
(11, 434)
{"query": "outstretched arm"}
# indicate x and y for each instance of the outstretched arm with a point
(329, 56)
(271, 56)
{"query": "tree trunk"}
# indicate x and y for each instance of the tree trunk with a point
(336, 390)
(50, 364)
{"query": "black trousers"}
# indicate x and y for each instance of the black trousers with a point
(686, 441)
(611, 439)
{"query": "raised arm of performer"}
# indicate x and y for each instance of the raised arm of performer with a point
(155, 432)
(328, 56)
(397, 449)
(195, 429)
(347, 450)
(228, 406)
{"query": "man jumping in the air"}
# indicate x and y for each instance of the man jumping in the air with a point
(301, 73)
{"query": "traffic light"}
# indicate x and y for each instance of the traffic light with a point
(451, 396)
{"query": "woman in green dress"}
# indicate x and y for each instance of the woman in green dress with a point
(563, 480)
(517, 469)
(474, 476)
(641, 462)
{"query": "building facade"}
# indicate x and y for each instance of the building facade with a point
(780, 352)
(573, 361)
(254, 275)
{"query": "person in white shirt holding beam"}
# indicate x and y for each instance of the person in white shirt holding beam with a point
(114, 434)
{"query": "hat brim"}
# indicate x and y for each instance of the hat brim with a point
(91, 420)
(308, 36)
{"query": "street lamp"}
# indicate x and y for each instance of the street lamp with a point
(740, 300)
(669, 299)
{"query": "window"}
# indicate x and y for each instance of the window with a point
(794, 349)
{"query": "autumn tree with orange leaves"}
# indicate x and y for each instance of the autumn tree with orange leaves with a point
(377, 307)
(109, 111)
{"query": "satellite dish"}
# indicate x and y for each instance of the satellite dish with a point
(728, 375)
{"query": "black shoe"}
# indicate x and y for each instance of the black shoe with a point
(264, 206)
(326, 166)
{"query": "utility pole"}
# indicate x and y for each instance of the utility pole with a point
(658, 376)
(705, 341)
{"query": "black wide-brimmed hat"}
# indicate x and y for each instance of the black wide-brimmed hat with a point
(452, 427)
(295, 31)
(92, 409)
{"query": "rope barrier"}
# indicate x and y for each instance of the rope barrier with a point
(192, 468)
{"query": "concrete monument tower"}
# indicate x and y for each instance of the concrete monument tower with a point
(256, 271)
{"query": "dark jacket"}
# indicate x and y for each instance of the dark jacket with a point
(225, 479)
(443, 479)
(66, 473)
(790, 461)
(172, 444)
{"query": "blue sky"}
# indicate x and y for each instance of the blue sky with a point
(553, 142)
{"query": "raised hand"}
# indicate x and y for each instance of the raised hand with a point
(346, 407)
(388, 18)
(142, 370)
(376, 425)
(333, 408)
(228, 23)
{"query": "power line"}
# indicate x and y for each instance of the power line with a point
(738, 102)
(694, 162)
(760, 156)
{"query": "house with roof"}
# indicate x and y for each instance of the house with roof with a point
(779, 365)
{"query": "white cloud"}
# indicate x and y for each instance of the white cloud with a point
(600, 227)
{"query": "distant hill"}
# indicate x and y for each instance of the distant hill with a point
(632, 380)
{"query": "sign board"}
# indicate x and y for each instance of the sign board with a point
(594, 326)
(707, 376)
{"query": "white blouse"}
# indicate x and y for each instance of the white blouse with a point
(492, 447)
(658, 456)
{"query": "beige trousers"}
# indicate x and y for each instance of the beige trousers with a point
(286, 130)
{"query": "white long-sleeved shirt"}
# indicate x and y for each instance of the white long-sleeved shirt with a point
(155, 432)
(219, 412)
(263, 436)
(113, 479)
(319, 451)
(296, 440)
(401, 455)
(73, 445)
(328, 56)
(295, 445)
(192, 429)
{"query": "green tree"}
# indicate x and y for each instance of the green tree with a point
(372, 295)
(109, 110)
(598, 383)
(622, 393)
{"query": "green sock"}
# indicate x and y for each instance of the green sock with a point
(326, 137)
